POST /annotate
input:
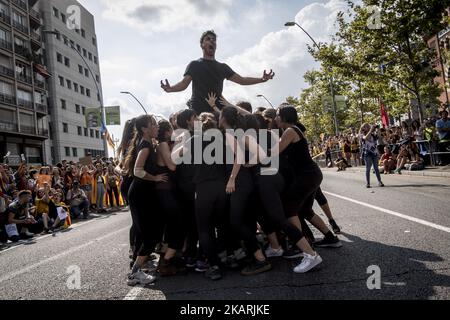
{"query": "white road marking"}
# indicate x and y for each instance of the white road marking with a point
(59, 255)
(134, 293)
(393, 213)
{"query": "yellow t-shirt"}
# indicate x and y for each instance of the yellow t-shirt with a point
(41, 207)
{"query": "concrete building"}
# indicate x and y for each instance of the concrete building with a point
(23, 102)
(71, 88)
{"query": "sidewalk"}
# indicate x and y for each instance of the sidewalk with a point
(428, 172)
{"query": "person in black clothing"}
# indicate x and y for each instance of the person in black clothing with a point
(166, 192)
(185, 175)
(207, 75)
(144, 204)
(210, 196)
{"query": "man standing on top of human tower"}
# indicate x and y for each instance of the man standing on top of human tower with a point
(207, 75)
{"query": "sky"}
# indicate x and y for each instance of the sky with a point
(144, 41)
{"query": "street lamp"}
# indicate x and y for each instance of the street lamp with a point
(262, 96)
(129, 93)
(292, 24)
(102, 107)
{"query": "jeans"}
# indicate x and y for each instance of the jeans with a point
(81, 208)
(371, 159)
(100, 195)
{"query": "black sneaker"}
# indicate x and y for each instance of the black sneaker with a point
(368, 186)
(333, 242)
(214, 273)
(256, 267)
(335, 227)
(381, 184)
(292, 253)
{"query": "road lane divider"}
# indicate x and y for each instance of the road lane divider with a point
(392, 213)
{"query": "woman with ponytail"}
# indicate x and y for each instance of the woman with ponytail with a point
(141, 162)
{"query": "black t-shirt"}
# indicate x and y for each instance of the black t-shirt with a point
(207, 76)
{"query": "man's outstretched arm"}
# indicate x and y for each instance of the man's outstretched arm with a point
(181, 86)
(247, 81)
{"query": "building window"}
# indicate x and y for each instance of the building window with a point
(97, 78)
(80, 69)
(61, 81)
(83, 110)
(58, 35)
(95, 60)
(78, 48)
(65, 128)
(88, 92)
(85, 132)
(98, 96)
(59, 57)
(77, 109)
(92, 133)
(90, 56)
(67, 151)
(67, 62)
(94, 41)
(63, 104)
(77, 31)
(69, 84)
(80, 131)
(97, 134)
(75, 87)
(86, 72)
(55, 12)
(83, 33)
(85, 53)
(75, 152)
(82, 90)
(66, 41)
(63, 18)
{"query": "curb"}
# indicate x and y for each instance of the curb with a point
(422, 173)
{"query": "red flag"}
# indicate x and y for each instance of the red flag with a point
(384, 115)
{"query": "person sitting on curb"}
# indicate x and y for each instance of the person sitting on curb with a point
(78, 201)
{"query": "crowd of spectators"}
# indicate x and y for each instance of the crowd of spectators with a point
(35, 200)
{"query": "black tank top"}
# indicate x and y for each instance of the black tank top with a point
(297, 155)
(150, 164)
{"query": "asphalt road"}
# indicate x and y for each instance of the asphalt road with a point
(403, 229)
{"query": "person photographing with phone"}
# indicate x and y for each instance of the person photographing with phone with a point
(369, 137)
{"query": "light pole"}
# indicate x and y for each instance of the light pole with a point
(292, 24)
(99, 94)
(129, 93)
(262, 96)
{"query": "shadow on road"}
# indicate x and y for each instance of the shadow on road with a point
(405, 274)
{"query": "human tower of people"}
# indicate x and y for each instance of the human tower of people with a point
(213, 214)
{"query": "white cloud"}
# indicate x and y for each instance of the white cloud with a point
(151, 16)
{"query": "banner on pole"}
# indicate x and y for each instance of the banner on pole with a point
(93, 118)
(112, 116)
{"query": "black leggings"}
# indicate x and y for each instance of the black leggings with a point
(146, 220)
(300, 194)
(125, 187)
(239, 216)
(116, 195)
(171, 211)
(270, 188)
(187, 201)
(210, 203)
(320, 197)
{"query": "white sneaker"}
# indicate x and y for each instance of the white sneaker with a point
(141, 278)
(309, 262)
(271, 252)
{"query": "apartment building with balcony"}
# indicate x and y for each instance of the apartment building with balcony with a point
(23, 90)
(72, 87)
